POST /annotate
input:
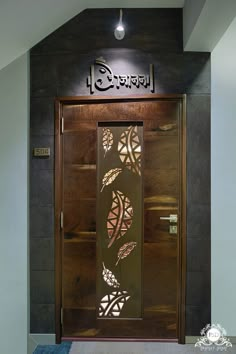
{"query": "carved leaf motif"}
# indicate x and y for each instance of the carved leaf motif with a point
(111, 305)
(125, 250)
(107, 140)
(110, 176)
(120, 216)
(129, 149)
(109, 277)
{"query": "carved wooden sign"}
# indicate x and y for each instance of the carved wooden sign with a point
(102, 78)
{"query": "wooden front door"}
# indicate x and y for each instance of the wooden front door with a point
(120, 218)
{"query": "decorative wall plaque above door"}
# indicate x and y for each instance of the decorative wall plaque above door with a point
(102, 78)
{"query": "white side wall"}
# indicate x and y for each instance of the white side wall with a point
(14, 206)
(205, 22)
(191, 12)
(224, 181)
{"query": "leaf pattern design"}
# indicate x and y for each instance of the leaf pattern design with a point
(109, 277)
(111, 305)
(107, 140)
(110, 176)
(125, 250)
(120, 216)
(129, 148)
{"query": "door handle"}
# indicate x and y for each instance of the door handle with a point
(173, 218)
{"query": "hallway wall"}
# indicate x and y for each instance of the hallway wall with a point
(59, 67)
(223, 166)
(14, 118)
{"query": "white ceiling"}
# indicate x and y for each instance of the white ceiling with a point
(23, 23)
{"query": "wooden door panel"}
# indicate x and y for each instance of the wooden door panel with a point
(79, 148)
(80, 219)
(161, 151)
(158, 266)
(82, 323)
(79, 274)
(80, 182)
(161, 127)
(160, 183)
(158, 116)
(80, 280)
(73, 126)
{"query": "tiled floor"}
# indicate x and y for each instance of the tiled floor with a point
(123, 348)
(137, 348)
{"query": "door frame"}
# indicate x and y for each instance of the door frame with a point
(58, 200)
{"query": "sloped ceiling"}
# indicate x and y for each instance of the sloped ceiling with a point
(23, 23)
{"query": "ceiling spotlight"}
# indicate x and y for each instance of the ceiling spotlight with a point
(119, 32)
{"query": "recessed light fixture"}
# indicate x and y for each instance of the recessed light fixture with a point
(119, 32)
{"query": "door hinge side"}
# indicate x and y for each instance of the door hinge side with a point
(61, 220)
(62, 125)
(61, 316)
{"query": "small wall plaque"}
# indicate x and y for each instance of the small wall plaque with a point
(41, 152)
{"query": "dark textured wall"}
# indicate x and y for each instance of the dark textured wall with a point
(59, 67)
